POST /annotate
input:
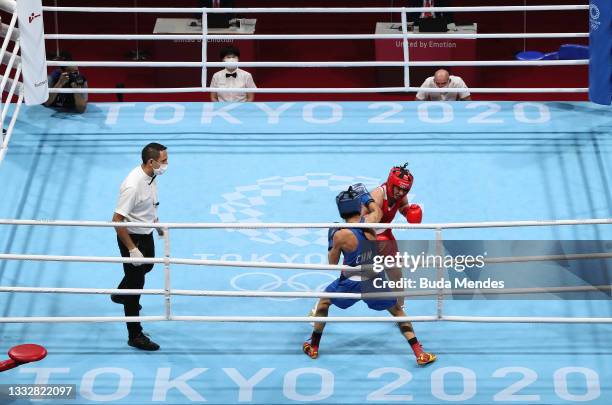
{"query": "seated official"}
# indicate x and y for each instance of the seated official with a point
(232, 77)
(415, 17)
(67, 77)
(442, 79)
(217, 20)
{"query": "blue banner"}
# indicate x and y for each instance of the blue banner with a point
(600, 67)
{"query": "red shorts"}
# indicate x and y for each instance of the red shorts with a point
(386, 243)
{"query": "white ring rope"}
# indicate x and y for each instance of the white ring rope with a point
(80, 319)
(303, 319)
(143, 90)
(18, 86)
(524, 319)
(543, 258)
(606, 288)
(277, 265)
(15, 86)
(326, 64)
(305, 10)
(305, 225)
(8, 35)
(95, 291)
(6, 107)
(426, 35)
(9, 55)
(9, 68)
(5, 30)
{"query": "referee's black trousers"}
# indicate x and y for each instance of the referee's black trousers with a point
(134, 278)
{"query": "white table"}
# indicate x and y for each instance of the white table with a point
(184, 26)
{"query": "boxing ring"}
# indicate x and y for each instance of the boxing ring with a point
(246, 204)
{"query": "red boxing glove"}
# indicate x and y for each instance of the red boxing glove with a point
(414, 214)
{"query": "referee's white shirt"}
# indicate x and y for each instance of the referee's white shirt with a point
(138, 200)
(243, 79)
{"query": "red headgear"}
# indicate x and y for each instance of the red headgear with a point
(401, 177)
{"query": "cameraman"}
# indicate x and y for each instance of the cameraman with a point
(65, 77)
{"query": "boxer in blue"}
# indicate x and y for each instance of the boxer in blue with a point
(357, 246)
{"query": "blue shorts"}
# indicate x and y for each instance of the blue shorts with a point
(345, 285)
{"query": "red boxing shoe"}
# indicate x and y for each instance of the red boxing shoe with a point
(425, 358)
(311, 351)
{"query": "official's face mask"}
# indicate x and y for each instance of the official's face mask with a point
(160, 170)
(231, 63)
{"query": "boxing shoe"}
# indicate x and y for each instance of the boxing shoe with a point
(425, 358)
(310, 350)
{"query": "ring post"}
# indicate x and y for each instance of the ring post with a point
(167, 292)
(204, 46)
(439, 274)
(600, 47)
(405, 50)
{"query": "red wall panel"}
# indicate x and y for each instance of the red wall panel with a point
(285, 50)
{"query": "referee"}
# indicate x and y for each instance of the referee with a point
(138, 203)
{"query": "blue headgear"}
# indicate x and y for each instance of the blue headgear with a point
(348, 202)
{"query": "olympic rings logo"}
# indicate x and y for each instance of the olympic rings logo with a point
(303, 282)
(594, 14)
(246, 204)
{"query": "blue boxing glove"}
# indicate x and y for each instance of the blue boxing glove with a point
(330, 237)
(364, 195)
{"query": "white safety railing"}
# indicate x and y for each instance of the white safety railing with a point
(405, 36)
(167, 260)
(12, 62)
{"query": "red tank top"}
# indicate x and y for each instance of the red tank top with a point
(388, 212)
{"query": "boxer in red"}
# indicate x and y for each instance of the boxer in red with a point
(392, 197)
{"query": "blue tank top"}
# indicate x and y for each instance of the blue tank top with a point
(357, 256)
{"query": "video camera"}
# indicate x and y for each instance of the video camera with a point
(76, 77)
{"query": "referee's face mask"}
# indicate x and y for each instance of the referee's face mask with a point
(231, 60)
(160, 167)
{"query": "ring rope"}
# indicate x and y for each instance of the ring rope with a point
(276, 265)
(304, 10)
(306, 319)
(605, 288)
(302, 225)
(8, 35)
(15, 86)
(569, 62)
(143, 90)
(427, 35)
